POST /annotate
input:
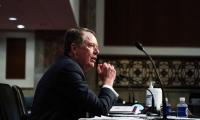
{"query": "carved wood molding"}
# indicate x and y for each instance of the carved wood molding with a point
(137, 71)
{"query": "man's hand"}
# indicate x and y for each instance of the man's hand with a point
(107, 73)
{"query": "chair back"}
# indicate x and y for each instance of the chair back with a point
(8, 104)
(20, 102)
(194, 103)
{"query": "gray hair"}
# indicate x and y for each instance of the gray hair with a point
(74, 35)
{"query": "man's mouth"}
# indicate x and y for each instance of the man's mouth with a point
(93, 59)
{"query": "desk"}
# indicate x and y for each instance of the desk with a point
(126, 113)
(136, 117)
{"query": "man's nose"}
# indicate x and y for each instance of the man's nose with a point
(96, 51)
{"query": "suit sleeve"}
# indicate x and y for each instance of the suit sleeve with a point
(81, 95)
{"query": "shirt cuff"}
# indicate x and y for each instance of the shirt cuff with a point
(111, 88)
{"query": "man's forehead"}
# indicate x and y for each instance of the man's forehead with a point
(88, 36)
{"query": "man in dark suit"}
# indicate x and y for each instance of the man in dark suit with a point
(63, 94)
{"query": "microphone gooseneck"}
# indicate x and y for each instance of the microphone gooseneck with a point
(140, 47)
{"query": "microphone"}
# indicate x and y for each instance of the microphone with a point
(140, 47)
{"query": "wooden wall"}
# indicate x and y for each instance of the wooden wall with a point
(153, 22)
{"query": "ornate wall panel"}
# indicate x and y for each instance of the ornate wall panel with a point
(137, 71)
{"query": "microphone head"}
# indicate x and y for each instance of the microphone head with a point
(139, 46)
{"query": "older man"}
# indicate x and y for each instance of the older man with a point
(63, 94)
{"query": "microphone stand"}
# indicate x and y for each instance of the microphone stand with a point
(139, 46)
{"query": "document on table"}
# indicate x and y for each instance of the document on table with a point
(121, 109)
(112, 118)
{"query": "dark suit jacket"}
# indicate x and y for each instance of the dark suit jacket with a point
(63, 94)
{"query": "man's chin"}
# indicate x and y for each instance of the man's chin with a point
(92, 65)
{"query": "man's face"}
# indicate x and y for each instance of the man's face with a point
(87, 52)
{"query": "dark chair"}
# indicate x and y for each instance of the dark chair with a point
(20, 102)
(28, 104)
(8, 105)
(194, 103)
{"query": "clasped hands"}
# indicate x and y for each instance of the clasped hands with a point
(107, 73)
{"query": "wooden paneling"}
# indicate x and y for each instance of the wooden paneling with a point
(137, 71)
(87, 16)
(15, 58)
(152, 22)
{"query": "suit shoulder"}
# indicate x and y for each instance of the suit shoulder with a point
(68, 64)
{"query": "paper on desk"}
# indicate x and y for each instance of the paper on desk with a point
(115, 118)
(121, 109)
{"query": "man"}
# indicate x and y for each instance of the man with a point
(63, 94)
